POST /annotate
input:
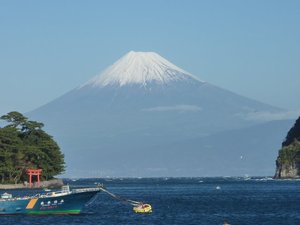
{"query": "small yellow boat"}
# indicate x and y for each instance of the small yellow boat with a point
(143, 208)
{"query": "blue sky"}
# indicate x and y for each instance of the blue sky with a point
(50, 47)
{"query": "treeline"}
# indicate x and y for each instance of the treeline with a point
(23, 145)
(290, 151)
(293, 134)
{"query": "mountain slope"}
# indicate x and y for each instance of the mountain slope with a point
(142, 101)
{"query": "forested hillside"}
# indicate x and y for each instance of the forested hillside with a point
(23, 145)
(288, 161)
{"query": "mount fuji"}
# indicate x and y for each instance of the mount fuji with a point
(144, 116)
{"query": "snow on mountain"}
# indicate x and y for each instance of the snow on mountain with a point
(140, 68)
(145, 112)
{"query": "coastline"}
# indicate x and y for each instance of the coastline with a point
(54, 183)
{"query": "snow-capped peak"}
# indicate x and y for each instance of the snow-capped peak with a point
(140, 68)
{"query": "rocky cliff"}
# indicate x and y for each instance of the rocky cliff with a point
(287, 170)
(288, 160)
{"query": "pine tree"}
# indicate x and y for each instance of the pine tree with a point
(23, 145)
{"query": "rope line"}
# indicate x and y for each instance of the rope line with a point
(124, 200)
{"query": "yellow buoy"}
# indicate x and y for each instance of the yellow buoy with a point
(143, 208)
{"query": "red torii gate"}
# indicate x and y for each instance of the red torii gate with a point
(35, 172)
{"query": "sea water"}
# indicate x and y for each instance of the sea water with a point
(184, 201)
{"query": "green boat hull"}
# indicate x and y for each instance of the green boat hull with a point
(72, 203)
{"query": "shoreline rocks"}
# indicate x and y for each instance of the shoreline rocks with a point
(287, 171)
(54, 183)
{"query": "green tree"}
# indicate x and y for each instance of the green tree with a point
(288, 160)
(290, 153)
(24, 145)
(293, 134)
(44, 152)
(10, 145)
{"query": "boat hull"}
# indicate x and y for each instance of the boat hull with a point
(65, 204)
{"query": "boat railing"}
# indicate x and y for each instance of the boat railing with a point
(80, 190)
(63, 192)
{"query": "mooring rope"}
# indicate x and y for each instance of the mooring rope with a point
(131, 202)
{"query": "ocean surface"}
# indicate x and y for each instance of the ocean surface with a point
(184, 201)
